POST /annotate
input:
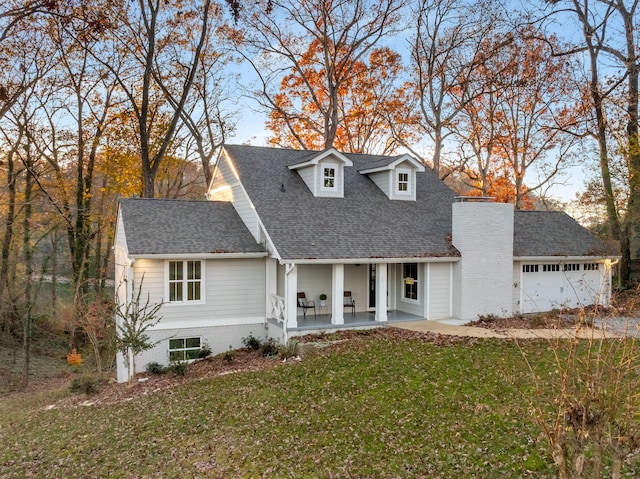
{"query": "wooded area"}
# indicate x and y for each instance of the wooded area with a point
(106, 99)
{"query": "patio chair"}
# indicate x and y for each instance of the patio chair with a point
(349, 302)
(306, 304)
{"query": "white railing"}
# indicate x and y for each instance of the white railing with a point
(277, 308)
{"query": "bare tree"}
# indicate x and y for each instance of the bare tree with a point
(154, 53)
(445, 50)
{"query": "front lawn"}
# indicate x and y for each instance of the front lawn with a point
(374, 406)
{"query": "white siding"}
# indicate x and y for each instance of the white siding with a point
(339, 178)
(355, 280)
(439, 290)
(234, 292)
(308, 176)
(227, 187)
(382, 179)
(121, 261)
(314, 280)
(410, 194)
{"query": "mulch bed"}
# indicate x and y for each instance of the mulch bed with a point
(246, 360)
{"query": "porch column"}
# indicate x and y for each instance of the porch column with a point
(290, 296)
(381, 292)
(271, 282)
(337, 293)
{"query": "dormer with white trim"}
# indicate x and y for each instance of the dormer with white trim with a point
(323, 173)
(395, 176)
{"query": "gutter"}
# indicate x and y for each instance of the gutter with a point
(435, 259)
(198, 255)
(565, 258)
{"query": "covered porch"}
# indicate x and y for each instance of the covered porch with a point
(321, 323)
(383, 292)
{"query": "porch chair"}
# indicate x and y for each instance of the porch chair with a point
(305, 304)
(349, 302)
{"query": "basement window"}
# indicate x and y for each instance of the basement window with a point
(184, 349)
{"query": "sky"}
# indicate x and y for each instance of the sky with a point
(251, 130)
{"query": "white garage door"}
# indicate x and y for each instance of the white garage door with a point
(551, 287)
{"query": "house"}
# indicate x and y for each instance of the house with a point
(279, 222)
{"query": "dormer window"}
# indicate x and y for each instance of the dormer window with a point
(323, 172)
(403, 182)
(396, 176)
(329, 177)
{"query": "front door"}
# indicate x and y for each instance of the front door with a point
(372, 285)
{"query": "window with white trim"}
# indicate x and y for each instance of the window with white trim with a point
(571, 267)
(529, 268)
(329, 177)
(185, 281)
(548, 268)
(184, 349)
(591, 266)
(403, 182)
(410, 275)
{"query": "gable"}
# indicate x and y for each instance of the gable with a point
(323, 172)
(395, 176)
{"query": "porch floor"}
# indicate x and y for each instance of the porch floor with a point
(362, 319)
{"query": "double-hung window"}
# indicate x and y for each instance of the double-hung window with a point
(403, 182)
(410, 275)
(329, 177)
(185, 281)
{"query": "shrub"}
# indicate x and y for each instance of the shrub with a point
(229, 355)
(85, 384)
(269, 347)
(205, 351)
(252, 342)
(74, 358)
(178, 368)
(156, 368)
(489, 318)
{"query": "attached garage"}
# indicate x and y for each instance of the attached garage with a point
(544, 286)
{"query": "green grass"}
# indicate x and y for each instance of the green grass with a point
(367, 408)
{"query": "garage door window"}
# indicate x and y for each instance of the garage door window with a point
(529, 268)
(548, 268)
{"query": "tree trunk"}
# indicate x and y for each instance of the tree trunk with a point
(28, 266)
(632, 227)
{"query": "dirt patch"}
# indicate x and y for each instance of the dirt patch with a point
(244, 360)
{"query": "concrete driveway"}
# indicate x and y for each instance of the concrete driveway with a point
(442, 327)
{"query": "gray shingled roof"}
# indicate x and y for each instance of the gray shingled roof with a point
(365, 224)
(158, 226)
(553, 233)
